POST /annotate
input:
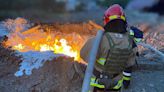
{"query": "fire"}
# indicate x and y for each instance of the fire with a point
(38, 39)
(65, 39)
(19, 47)
(59, 46)
(62, 47)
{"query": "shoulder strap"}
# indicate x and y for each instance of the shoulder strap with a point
(130, 38)
(110, 40)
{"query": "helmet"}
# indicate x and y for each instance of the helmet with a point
(114, 12)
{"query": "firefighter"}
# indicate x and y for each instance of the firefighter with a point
(116, 53)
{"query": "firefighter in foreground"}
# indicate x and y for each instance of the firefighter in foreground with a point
(116, 53)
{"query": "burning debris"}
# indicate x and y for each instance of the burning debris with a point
(39, 39)
(39, 44)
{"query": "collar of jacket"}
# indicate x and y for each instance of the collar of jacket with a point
(116, 26)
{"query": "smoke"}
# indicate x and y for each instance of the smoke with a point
(17, 25)
(140, 4)
(34, 60)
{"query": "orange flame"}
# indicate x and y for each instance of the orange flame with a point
(59, 46)
(35, 39)
(62, 47)
(19, 47)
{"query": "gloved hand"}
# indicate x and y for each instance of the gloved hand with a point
(126, 83)
(137, 33)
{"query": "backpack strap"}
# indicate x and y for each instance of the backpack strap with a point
(130, 38)
(110, 40)
(107, 56)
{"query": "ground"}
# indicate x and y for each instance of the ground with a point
(147, 81)
(148, 77)
(61, 76)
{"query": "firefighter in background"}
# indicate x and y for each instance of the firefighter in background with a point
(116, 54)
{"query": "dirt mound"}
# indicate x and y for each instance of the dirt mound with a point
(58, 75)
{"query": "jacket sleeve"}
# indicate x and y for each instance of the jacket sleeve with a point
(137, 33)
(103, 51)
(85, 50)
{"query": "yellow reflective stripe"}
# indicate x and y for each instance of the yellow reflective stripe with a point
(119, 84)
(123, 18)
(126, 78)
(137, 39)
(94, 83)
(97, 85)
(131, 33)
(101, 61)
(116, 17)
(93, 79)
(113, 17)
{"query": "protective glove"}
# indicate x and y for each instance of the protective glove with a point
(137, 33)
(126, 83)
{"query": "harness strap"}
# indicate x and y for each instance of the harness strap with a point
(111, 42)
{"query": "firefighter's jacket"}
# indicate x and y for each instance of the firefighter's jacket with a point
(103, 50)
